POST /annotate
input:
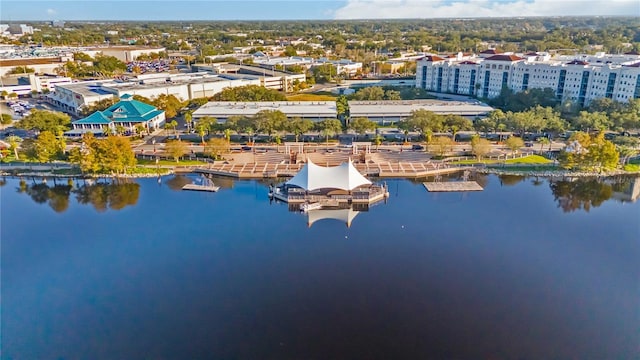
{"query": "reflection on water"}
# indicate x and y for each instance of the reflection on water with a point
(585, 194)
(178, 181)
(102, 196)
(423, 276)
(344, 212)
(510, 180)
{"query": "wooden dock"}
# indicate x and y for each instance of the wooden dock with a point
(452, 186)
(383, 170)
(196, 187)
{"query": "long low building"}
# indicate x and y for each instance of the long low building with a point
(383, 111)
(73, 97)
(43, 65)
(387, 111)
(26, 85)
(312, 110)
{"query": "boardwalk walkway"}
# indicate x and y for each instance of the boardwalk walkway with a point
(269, 165)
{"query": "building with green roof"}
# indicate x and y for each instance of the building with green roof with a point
(126, 113)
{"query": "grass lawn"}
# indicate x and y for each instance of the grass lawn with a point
(171, 162)
(527, 160)
(146, 170)
(531, 159)
(632, 167)
(72, 171)
(529, 167)
(311, 97)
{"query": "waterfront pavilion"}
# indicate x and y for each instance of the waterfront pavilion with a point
(330, 186)
(314, 177)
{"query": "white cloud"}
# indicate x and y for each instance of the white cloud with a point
(411, 9)
(51, 12)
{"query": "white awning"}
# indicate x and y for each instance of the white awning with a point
(313, 177)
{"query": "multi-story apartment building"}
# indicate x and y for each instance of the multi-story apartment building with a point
(579, 78)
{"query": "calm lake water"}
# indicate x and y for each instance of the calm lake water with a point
(525, 269)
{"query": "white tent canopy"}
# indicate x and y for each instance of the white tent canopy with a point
(344, 177)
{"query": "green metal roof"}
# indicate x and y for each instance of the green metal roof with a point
(131, 107)
(144, 118)
(95, 118)
(127, 110)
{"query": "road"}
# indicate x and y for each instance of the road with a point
(150, 148)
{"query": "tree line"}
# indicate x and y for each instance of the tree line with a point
(362, 40)
(102, 196)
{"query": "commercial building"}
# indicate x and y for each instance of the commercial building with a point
(383, 111)
(123, 53)
(126, 113)
(312, 110)
(579, 78)
(269, 78)
(41, 65)
(73, 97)
(342, 66)
(26, 85)
(387, 111)
(15, 30)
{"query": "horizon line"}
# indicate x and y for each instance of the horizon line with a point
(328, 20)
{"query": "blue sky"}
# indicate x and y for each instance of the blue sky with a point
(13, 10)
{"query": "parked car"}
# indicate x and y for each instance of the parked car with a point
(417, 147)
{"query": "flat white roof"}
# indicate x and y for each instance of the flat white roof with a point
(393, 108)
(224, 109)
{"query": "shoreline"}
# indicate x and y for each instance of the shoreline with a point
(556, 173)
(171, 171)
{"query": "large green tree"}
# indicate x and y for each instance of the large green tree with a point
(298, 126)
(424, 121)
(249, 93)
(44, 120)
(342, 108)
(48, 147)
(361, 125)
(589, 152)
(114, 155)
(369, 93)
(514, 143)
(169, 103)
(270, 121)
(85, 155)
(176, 149)
(480, 147)
(329, 127)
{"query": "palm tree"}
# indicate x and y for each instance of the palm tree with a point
(139, 129)
(377, 140)
(544, 141)
(13, 143)
(174, 125)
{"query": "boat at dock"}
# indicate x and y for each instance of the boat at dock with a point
(196, 187)
(306, 207)
(207, 185)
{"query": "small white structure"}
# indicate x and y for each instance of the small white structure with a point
(314, 177)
